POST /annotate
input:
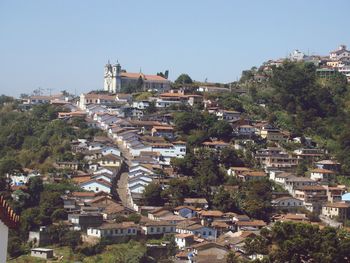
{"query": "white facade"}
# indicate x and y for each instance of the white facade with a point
(183, 241)
(158, 229)
(287, 202)
(296, 55)
(203, 231)
(113, 232)
(3, 241)
(162, 103)
(138, 188)
(169, 152)
(21, 179)
(321, 176)
(95, 186)
(110, 78)
(141, 104)
(246, 130)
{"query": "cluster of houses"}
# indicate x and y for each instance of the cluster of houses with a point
(137, 149)
(337, 61)
(316, 192)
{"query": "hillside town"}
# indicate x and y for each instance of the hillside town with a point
(183, 164)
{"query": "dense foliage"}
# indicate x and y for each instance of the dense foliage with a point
(307, 105)
(300, 242)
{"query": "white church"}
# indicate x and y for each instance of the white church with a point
(115, 79)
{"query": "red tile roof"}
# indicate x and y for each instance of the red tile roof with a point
(7, 215)
(143, 76)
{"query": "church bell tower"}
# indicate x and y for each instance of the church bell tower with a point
(111, 73)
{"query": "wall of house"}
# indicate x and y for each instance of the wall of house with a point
(96, 188)
(154, 230)
(132, 231)
(180, 242)
(203, 232)
(3, 241)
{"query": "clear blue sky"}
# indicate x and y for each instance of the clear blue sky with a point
(64, 44)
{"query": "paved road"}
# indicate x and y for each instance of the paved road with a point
(122, 186)
(123, 190)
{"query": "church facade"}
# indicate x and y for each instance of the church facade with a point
(116, 79)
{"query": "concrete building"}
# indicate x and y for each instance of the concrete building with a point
(45, 253)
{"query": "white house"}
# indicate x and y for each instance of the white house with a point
(191, 227)
(21, 179)
(139, 169)
(113, 230)
(340, 54)
(184, 240)
(245, 130)
(158, 228)
(143, 104)
(185, 211)
(287, 202)
(8, 219)
(322, 174)
(228, 115)
(97, 186)
(137, 184)
(111, 150)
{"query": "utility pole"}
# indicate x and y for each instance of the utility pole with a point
(49, 91)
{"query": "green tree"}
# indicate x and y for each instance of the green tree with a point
(151, 107)
(224, 201)
(71, 239)
(152, 195)
(183, 79)
(15, 247)
(222, 130)
(229, 157)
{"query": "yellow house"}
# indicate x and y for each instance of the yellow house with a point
(333, 64)
(272, 135)
(110, 160)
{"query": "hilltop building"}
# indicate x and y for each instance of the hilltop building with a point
(115, 79)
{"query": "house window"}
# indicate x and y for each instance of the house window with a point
(151, 229)
(209, 234)
(204, 233)
(158, 229)
(129, 231)
(164, 229)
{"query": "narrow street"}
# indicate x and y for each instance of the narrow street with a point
(122, 185)
(123, 190)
